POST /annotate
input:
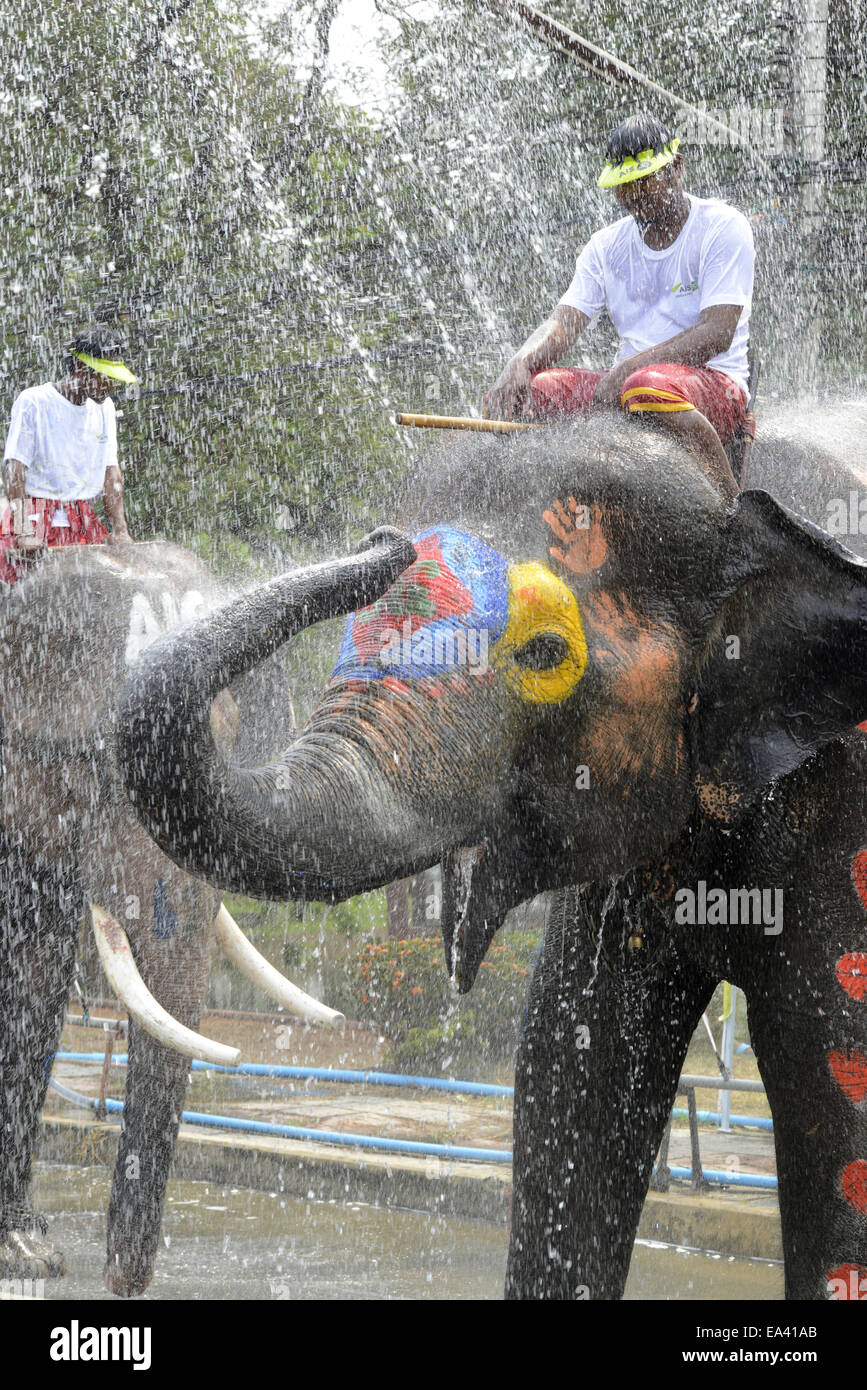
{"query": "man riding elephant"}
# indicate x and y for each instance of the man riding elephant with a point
(676, 277)
(61, 453)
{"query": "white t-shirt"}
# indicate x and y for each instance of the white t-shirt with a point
(65, 448)
(652, 296)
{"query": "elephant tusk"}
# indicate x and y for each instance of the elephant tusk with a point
(243, 954)
(123, 976)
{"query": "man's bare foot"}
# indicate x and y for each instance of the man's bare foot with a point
(696, 433)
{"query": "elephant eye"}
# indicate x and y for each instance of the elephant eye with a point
(543, 653)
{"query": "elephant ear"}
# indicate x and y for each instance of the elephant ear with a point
(785, 667)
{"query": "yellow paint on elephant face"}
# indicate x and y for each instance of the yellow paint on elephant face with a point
(543, 652)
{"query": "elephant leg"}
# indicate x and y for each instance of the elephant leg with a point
(603, 1045)
(813, 1061)
(175, 970)
(40, 911)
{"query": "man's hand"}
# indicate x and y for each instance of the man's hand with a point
(24, 532)
(695, 346)
(113, 495)
(542, 349)
(509, 392)
(610, 386)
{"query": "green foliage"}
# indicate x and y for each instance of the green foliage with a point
(288, 269)
(401, 987)
(363, 915)
(165, 171)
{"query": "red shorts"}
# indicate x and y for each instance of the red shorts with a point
(85, 528)
(667, 386)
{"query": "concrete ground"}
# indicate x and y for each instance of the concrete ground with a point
(733, 1221)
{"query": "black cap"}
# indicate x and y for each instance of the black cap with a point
(635, 135)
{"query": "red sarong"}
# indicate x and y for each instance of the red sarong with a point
(84, 528)
(666, 386)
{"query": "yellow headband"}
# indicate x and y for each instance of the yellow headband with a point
(636, 166)
(116, 370)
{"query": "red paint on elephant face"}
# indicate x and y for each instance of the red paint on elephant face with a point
(852, 974)
(859, 876)
(428, 590)
(853, 1182)
(850, 1281)
(849, 1070)
(640, 663)
(583, 547)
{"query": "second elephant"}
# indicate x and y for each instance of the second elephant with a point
(68, 839)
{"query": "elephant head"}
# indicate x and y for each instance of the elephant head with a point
(542, 698)
(69, 841)
(592, 671)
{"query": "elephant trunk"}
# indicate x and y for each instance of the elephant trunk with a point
(319, 822)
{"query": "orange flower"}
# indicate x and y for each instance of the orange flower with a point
(417, 989)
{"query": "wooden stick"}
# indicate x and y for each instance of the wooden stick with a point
(460, 422)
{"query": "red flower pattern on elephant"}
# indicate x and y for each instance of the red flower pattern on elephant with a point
(426, 591)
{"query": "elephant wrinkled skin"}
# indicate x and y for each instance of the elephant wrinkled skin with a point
(648, 694)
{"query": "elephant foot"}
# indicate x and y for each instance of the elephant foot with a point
(24, 1255)
(127, 1276)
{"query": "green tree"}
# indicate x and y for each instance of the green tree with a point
(166, 170)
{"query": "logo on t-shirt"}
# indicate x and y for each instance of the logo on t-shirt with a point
(680, 288)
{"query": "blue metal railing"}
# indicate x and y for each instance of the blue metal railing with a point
(451, 1152)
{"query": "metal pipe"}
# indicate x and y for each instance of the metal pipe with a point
(715, 1083)
(363, 1141)
(729, 1014)
(111, 1036)
(729, 1179)
(427, 1083)
(386, 1145)
(91, 1021)
(738, 1121)
(373, 1078)
(322, 1136)
(694, 1142)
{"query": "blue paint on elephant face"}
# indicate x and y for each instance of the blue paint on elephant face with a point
(165, 921)
(440, 614)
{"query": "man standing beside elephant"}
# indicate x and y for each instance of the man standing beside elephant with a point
(676, 277)
(61, 453)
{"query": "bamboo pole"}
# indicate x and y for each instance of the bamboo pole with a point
(610, 69)
(460, 422)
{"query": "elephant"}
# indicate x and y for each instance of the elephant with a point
(588, 674)
(69, 841)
